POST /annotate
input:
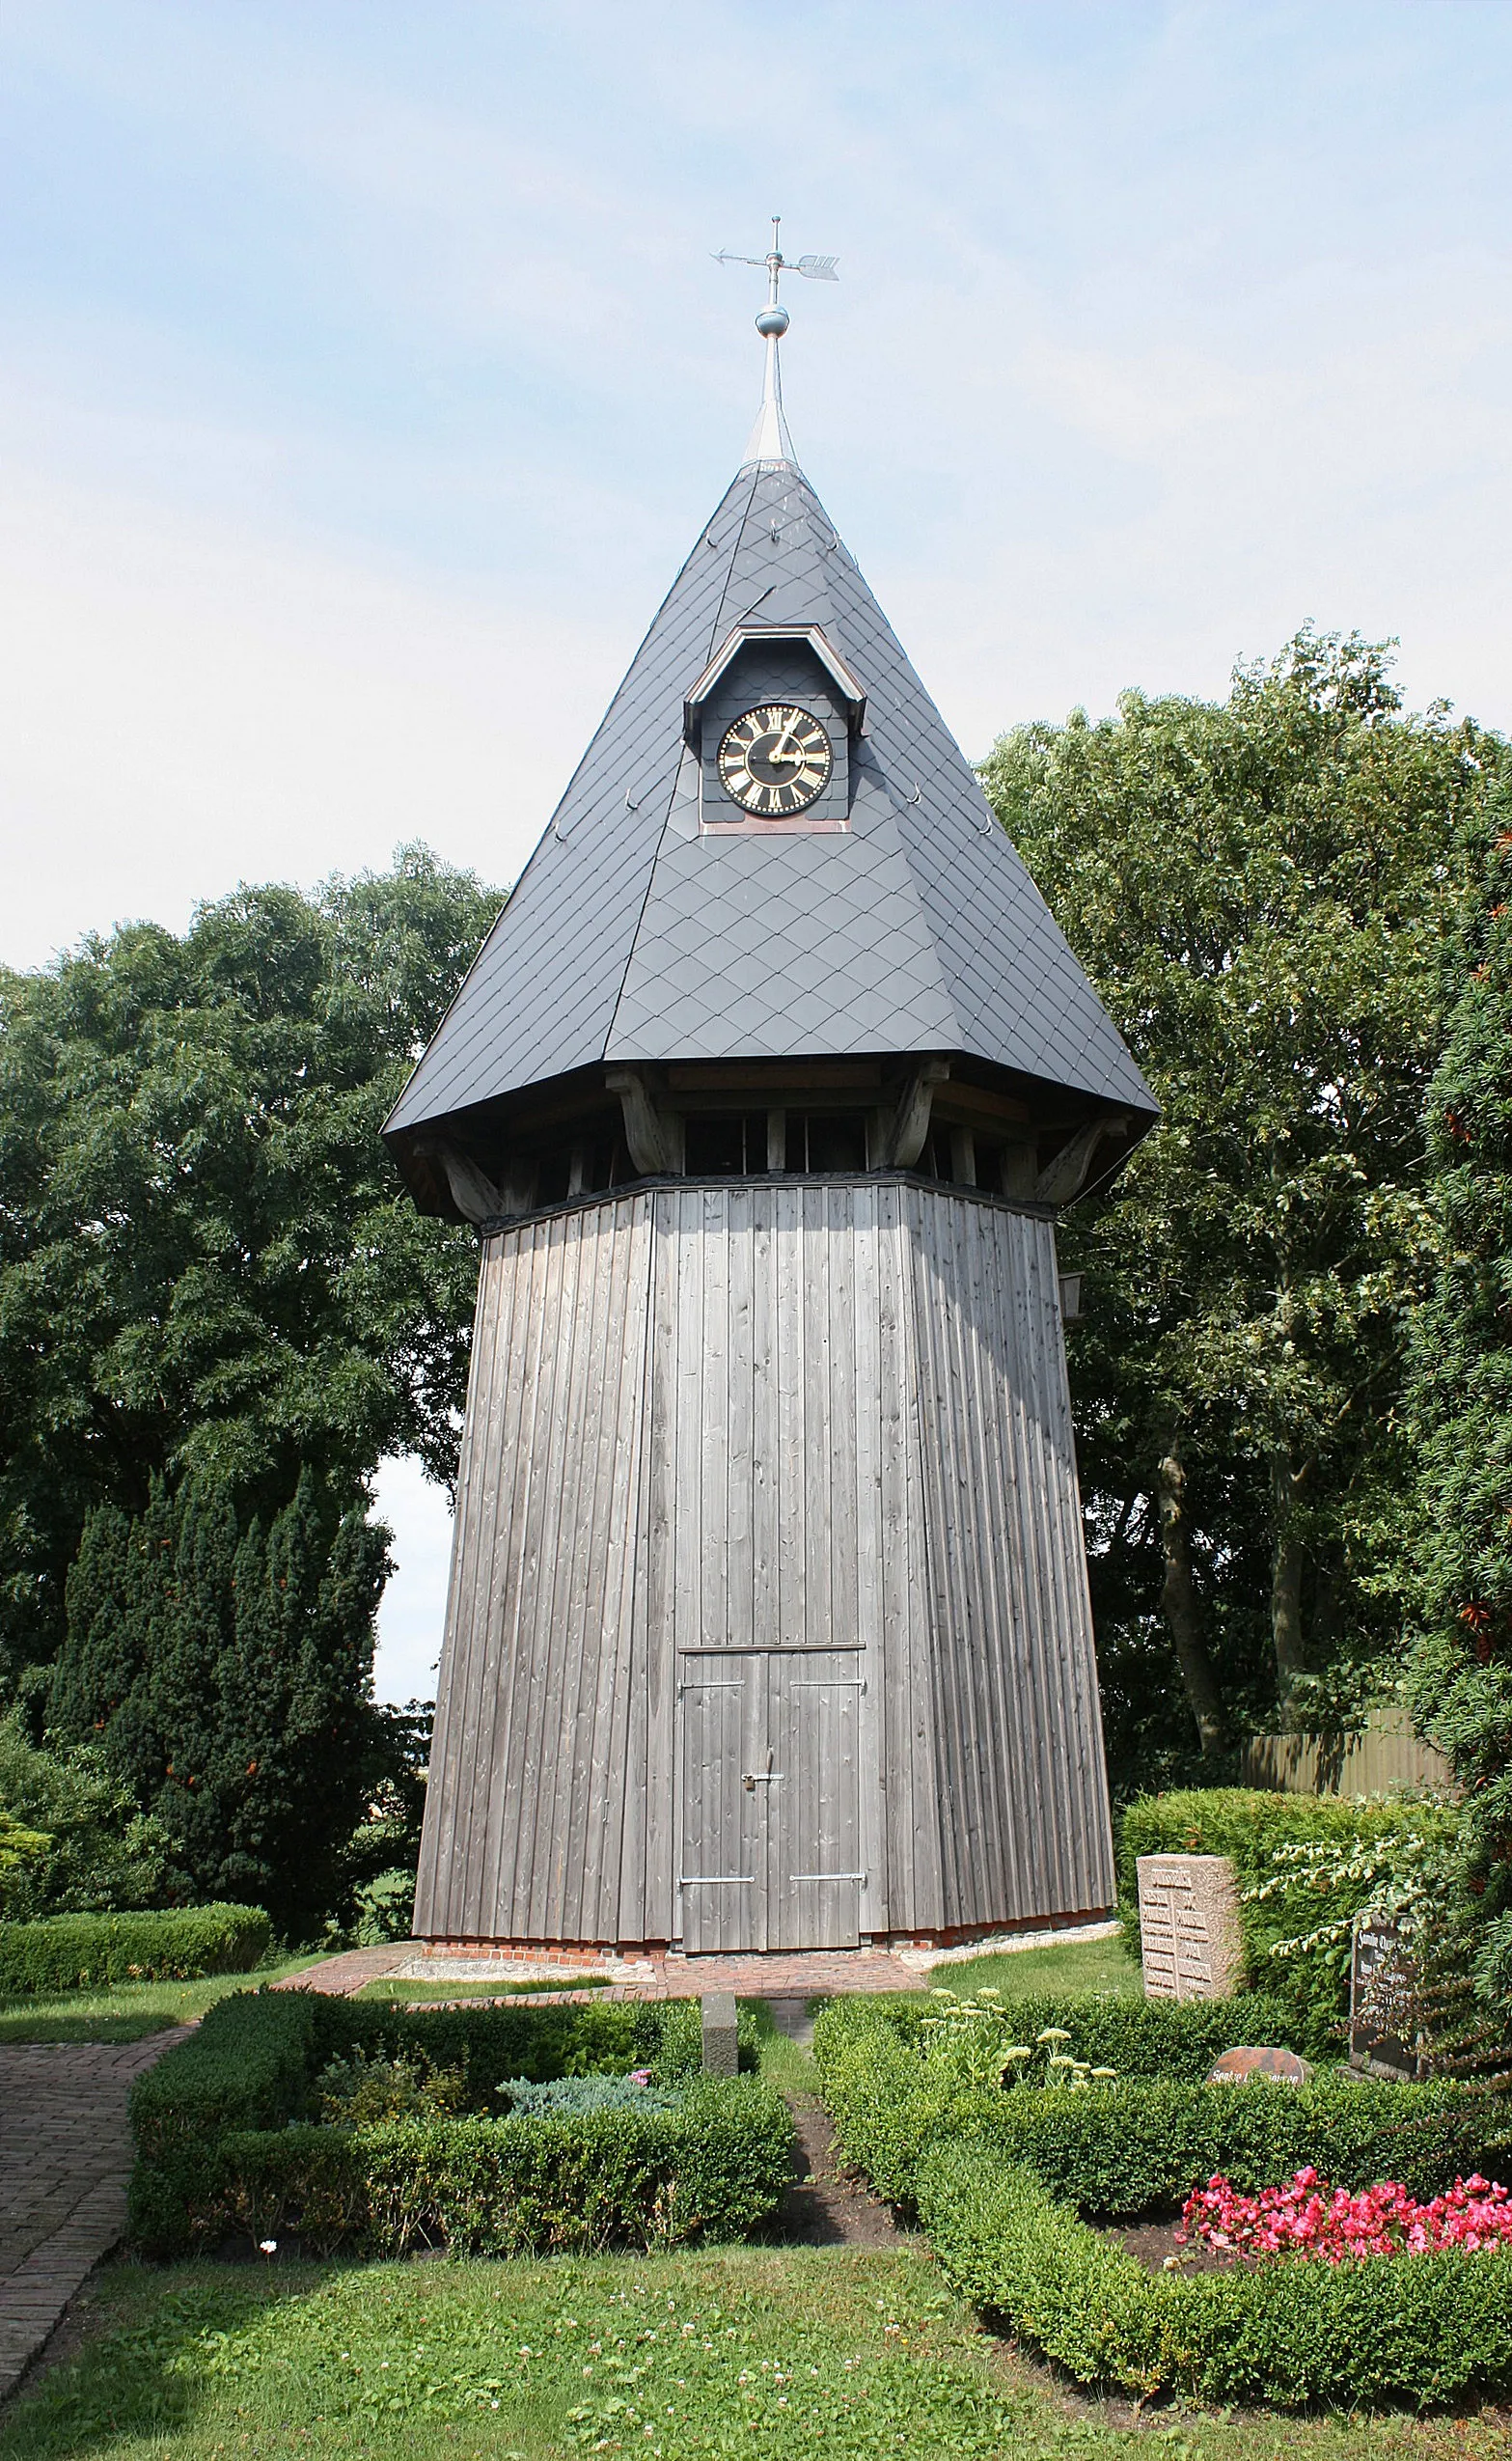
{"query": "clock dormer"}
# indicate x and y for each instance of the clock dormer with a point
(773, 719)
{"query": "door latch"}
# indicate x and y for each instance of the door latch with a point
(760, 1777)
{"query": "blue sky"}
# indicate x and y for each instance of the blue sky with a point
(365, 375)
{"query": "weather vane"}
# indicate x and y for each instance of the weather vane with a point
(772, 320)
(770, 443)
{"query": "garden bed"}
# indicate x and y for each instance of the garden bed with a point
(293, 2116)
(1008, 2180)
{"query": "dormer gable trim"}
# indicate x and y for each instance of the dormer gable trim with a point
(810, 635)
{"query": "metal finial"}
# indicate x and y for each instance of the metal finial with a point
(770, 441)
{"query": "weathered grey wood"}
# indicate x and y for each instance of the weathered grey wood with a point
(766, 1479)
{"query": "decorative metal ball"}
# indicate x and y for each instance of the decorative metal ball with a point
(772, 320)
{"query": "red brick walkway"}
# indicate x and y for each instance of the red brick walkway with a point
(64, 2159)
(671, 1976)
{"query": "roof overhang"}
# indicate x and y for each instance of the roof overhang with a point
(746, 635)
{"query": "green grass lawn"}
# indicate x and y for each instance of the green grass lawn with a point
(1082, 1965)
(794, 2353)
(127, 2010)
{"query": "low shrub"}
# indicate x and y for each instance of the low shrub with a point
(362, 2090)
(712, 2168)
(255, 2063)
(80, 1952)
(574, 2094)
(1425, 2331)
(1138, 2038)
(1146, 2140)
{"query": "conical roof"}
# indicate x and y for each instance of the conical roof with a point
(633, 936)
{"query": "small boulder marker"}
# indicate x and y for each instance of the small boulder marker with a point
(1263, 2060)
(1189, 1927)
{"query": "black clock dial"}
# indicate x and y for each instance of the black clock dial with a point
(775, 760)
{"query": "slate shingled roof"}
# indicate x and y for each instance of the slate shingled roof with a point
(631, 937)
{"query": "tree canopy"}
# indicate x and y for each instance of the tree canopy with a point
(1461, 1396)
(206, 1262)
(1259, 889)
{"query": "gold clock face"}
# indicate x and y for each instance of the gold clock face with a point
(775, 761)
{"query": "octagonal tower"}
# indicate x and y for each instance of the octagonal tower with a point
(768, 1622)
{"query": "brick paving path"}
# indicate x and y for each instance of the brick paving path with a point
(64, 2159)
(799, 1977)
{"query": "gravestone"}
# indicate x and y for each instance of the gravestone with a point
(1381, 2025)
(721, 2042)
(1189, 1927)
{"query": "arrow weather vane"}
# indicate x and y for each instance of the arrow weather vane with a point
(770, 441)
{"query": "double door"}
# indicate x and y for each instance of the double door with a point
(770, 1798)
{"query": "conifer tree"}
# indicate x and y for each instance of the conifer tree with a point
(1461, 1396)
(225, 1671)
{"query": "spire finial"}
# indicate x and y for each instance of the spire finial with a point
(770, 442)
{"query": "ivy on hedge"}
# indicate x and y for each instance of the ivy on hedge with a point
(78, 1951)
(221, 2133)
(1423, 2329)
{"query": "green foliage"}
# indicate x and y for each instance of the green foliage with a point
(973, 2040)
(223, 1672)
(71, 1952)
(102, 1854)
(1422, 2330)
(1461, 1401)
(712, 2168)
(207, 1263)
(1145, 2142)
(385, 1909)
(362, 2089)
(1362, 1842)
(573, 2094)
(1257, 890)
(253, 2065)
(1138, 2038)
(20, 1849)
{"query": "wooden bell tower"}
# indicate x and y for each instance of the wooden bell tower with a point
(768, 1624)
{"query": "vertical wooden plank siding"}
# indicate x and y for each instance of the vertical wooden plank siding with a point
(769, 1480)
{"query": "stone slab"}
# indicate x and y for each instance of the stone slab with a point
(1259, 2060)
(1189, 1927)
(721, 2044)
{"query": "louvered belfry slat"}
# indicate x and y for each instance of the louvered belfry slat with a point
(768, 1624)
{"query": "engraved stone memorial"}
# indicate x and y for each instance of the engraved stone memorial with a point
(1188, 1925)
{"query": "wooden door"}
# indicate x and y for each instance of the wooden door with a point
(722, 1874)
(813, 1871)
(770, 1808)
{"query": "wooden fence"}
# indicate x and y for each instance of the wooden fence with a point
(1384, 1752)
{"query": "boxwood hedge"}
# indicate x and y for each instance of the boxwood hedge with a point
(997, 2179)
(223, 2138)
(79, 1952)
(1418, 2330)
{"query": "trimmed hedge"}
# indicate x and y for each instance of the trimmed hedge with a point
(1423, 2329)
(79, 1952)
(251, 2068)
(1150, 2141)
(712, 2169)
(1138, 2038)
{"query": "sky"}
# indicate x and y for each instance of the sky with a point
(365, 373)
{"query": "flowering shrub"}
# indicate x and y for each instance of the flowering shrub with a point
(1307, 2217)
(971, 2040)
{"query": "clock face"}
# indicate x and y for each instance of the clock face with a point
(775, 760)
